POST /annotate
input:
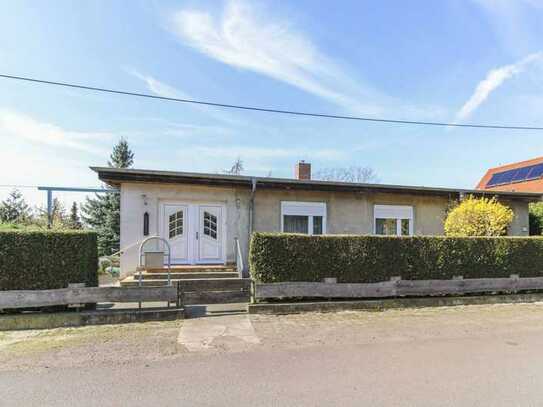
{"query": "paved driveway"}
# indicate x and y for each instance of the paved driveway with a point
(468, 356)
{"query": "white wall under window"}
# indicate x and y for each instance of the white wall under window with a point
(393, 220)
(303, 217)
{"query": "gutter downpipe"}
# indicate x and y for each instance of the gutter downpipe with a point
(252, 206)
(251, 215)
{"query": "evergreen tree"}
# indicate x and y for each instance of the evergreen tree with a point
(14, 208)
(74, 221)
(122, 156)
(102, 213)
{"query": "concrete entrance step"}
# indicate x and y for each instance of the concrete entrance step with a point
(201, 268)
(161, 280)
(187, 276)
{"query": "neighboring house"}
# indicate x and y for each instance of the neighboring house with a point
(524, 176)
(202, 214)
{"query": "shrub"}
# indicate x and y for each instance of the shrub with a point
(536, 218)
(41, 259)
(478, 217)
(367, 259)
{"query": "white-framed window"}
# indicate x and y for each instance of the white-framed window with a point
(303, 217)
(393, 220)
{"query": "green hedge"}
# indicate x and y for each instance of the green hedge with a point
(43, 259)
(366, 259)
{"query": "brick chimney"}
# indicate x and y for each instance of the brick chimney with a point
(302, 170)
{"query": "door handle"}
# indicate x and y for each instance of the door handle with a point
(196, 235)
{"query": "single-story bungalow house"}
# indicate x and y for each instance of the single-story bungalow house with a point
(204, 216)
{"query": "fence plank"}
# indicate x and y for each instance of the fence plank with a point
(396, 288)
(325, 290)
(222, 284)
(215, 297)
(66, 296)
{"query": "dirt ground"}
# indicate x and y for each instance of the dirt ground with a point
(152, 341)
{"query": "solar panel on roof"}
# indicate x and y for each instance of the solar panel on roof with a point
(494, 180)
(536, 172)
(507, 176)
(516, 175)
(521, 174)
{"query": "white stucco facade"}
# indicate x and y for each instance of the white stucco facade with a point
(344, 212)
(138, 198)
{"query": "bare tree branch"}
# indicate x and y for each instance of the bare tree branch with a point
(347, 174)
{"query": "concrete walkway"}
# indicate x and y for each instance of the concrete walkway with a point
(225, 333)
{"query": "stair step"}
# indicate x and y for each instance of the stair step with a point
(190, 275)
(194, 269)
(201, 280)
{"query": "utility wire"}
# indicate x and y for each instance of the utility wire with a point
(270, 110)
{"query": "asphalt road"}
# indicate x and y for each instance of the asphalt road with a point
(490, 370)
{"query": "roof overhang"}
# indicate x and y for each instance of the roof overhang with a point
(117, 176)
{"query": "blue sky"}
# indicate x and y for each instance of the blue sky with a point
(456, 61)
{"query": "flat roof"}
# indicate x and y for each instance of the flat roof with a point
(116, 176)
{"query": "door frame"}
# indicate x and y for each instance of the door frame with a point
(193, 226)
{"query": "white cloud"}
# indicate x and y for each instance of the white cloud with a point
(494, 79)
(162, 89)
(22, 126)
(159, 88)
(243, 39)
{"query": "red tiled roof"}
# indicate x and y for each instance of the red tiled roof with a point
(535, 185)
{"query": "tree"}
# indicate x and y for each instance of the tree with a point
(347, 174)
(536, 218)
(74, 221)
(14, 208)
(237, 167)
(122, 156)
(478, 217)
(102, 213)
(59, 219)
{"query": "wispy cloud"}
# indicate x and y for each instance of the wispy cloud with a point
(23, 126)
(160, 88)
(494, 79)
(244, 39)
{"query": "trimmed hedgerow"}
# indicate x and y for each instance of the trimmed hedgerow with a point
(43, 259)
(367, 259)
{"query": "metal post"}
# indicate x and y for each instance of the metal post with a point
(49, 208)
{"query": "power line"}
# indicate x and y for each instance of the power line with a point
(57, 188)
(270, 110)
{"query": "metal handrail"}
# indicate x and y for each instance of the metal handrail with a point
(238, 257)
(141, 253)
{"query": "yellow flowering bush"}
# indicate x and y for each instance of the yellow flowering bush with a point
(478, 217)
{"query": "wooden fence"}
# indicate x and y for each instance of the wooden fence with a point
(396, 287)
(85, 295)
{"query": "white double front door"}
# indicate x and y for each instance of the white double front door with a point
(195, 232)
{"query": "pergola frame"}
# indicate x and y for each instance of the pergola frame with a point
(68, 189)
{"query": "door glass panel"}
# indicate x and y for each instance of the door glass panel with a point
(405, 227)
(175, 224)
(295, 224)
(210, 225)
(386, 226)
(317, 225)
